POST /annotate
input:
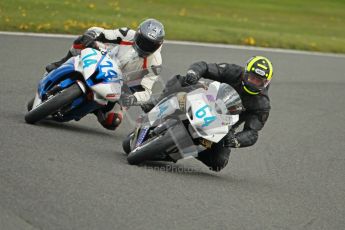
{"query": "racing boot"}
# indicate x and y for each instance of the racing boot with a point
(216, 157)
(57, 64)
(109, 120)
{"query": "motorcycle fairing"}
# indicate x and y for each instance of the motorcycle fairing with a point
(101, 74)
(203, 117)
(55, 77)
(163, 109)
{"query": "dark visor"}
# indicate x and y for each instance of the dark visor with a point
(146, 44)
(257, 81)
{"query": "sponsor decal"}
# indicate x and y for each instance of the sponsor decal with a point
(142, 136)
(202, 114)
(210, 98)
(181, 97)
(162, 109)
(260, 72)
(112, 95)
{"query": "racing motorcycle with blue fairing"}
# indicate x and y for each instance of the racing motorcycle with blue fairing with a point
(184, 123)
(80, 86)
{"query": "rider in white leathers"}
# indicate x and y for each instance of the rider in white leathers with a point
(139, 58)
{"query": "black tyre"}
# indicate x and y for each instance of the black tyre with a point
(148, 151)
(53, 104)
(30, 104)
(156, 146)
(126, 144)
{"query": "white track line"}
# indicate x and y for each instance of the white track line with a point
(239, 47)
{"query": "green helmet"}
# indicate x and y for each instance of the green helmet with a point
(257, 75)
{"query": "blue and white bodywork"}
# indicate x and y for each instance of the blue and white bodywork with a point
(97, 75)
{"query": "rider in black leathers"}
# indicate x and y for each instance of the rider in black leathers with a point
(252, 83)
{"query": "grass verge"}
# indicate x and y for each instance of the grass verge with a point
(315, 25)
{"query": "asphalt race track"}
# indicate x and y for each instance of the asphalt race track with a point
(75, 175)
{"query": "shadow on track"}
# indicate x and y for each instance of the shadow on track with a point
(50, 124)
(202, 174)
(74, 128)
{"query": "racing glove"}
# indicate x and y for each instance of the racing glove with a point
(127, 100)
(87, 38)
(191, 77)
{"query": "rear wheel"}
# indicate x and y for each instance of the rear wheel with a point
(53, 104)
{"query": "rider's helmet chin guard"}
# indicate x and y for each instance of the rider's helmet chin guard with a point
(257, 75)
(228, 100)
(149, 37)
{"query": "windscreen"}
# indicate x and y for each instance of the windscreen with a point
(228, 101)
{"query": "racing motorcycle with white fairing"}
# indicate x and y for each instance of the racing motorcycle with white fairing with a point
(184, 123)
(81, 85)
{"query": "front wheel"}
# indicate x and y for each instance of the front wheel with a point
(126, 143)
(158, 145)
(30, 104)
(149, 150)
(53, 104)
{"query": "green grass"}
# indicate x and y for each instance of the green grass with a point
(316, 25)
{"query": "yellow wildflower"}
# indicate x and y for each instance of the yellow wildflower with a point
(23, 26)
(134, 24)
(249, 41)
(313, 45)
(105, 25)
(183, 12)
